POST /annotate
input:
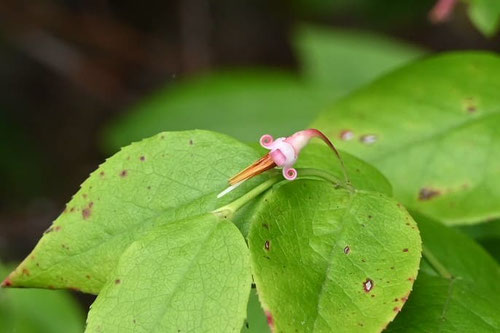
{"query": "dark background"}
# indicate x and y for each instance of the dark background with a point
(69, 68)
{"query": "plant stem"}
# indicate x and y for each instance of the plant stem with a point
(311, 172)
(435, 263)
(228, 210)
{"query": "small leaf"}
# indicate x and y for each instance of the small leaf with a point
(485, 14)
(164, 178)
(326, 259)
(189, 275)
(468, 302)
(432, 129)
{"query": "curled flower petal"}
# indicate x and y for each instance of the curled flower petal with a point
(289, 173)
(283, 153)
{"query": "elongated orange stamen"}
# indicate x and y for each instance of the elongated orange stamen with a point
(263, 164)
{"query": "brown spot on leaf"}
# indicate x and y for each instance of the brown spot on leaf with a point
(101, 173)
(142, 158)
(427, 193)
(368, 285)
(265, 226)
(7, 282)
(118, 281)
(267, 245)
(123, 173)
(72, 209)
(368, 139)
(86, 212)
(405, 250)
(270, 320)
(88, 276)
(57, 228)
(347, 250)
(84, 196)
(191, 142)
(397, 309)
(26, 272)
(346, 135)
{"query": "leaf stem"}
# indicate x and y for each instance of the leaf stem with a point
(435, 263)
(311, 172)
(228, 210)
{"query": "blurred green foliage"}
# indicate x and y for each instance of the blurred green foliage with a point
(247, 103)
(36, 310)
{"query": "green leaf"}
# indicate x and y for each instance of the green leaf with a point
(432, 129)
(189, 275)
(339, 61)
(256, 321)
(362, 175)
(487, 235)
(164, 178)
(468, 302)
(242, 103)
(485, 14)
(33, 311)
(326, 259)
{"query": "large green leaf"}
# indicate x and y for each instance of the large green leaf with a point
(242, 103)
(339, 61)
(327, 259)
(166, 177)
(187, 276)
(38, 311)
(469, 301)
(432, 129)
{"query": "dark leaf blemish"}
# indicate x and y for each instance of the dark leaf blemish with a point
(405, 250)
(118, 281)
(86, 212)
(368, 285)
(267, 245)
(123, 173)
(427, 193)
(368, 139)
(347, 250)
(346, 135)
(142, 158)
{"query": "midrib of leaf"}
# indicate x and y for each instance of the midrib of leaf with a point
(125, 231)
(165, 306)
(433, 136)
(328, 268)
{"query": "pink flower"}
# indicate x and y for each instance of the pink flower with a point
(283, 153)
